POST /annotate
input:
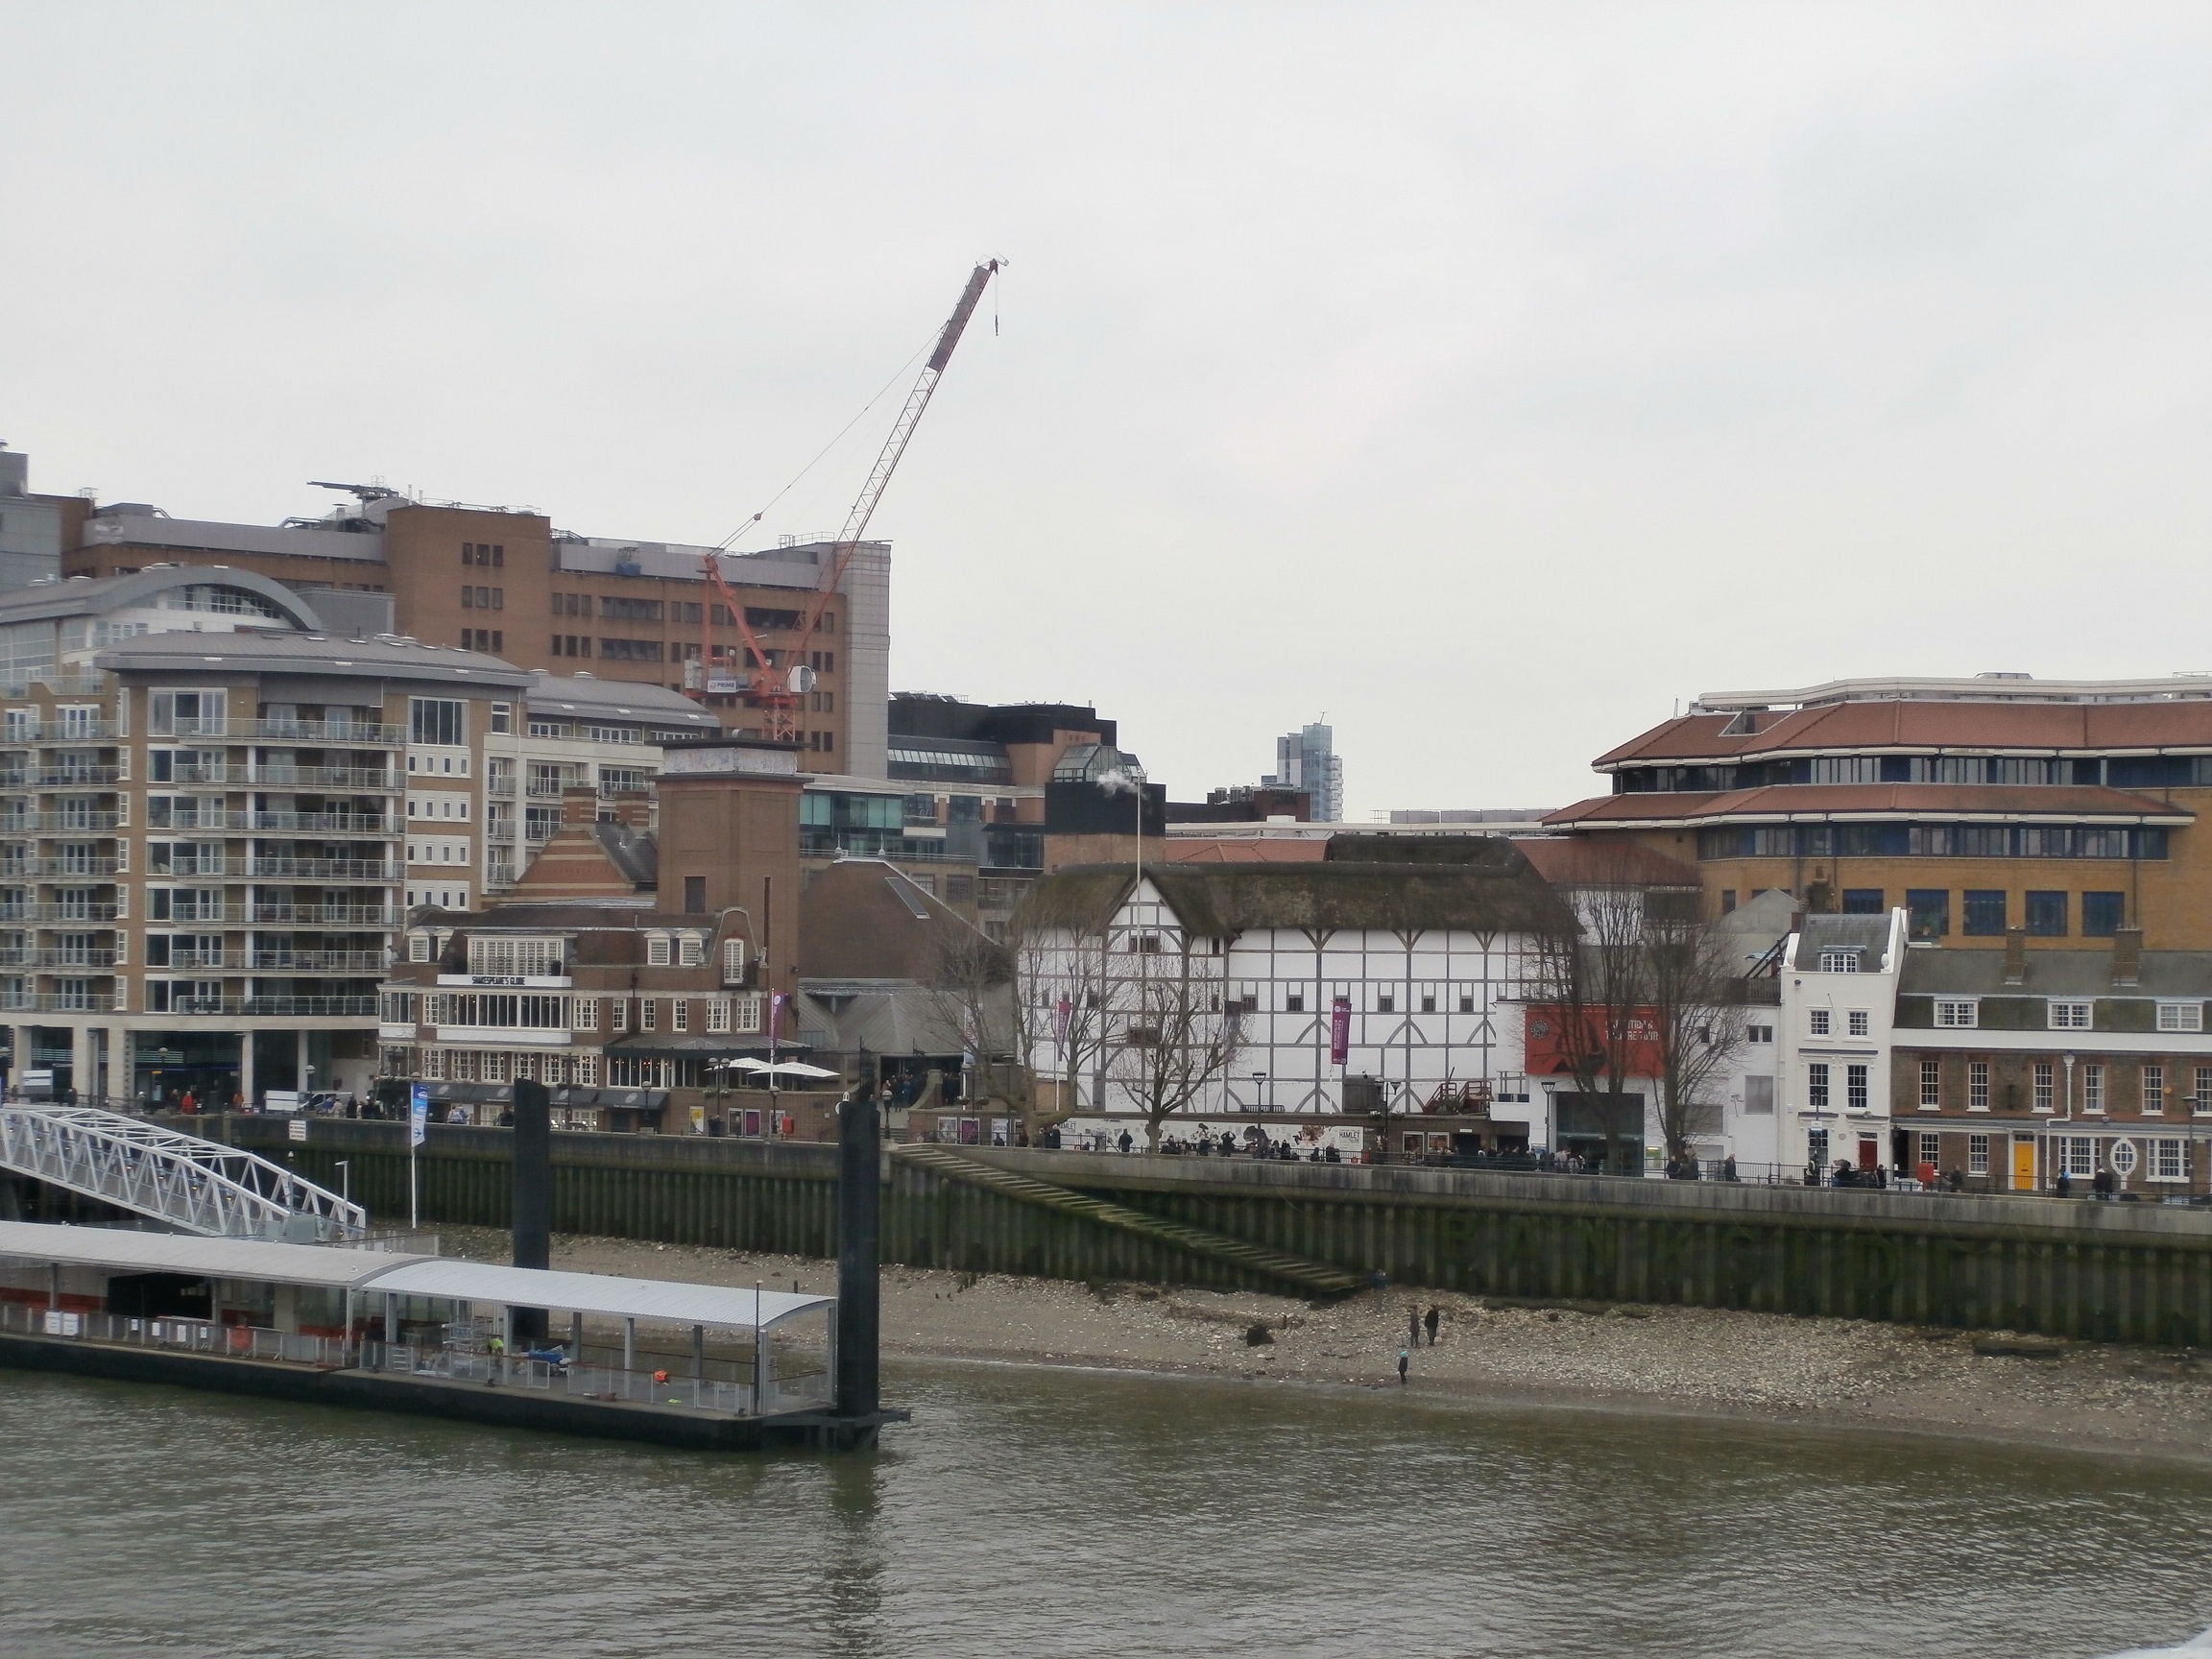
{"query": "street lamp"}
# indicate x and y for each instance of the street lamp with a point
(1551, 1116)
(345, 1180)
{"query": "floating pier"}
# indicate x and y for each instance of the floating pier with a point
(424, 1335)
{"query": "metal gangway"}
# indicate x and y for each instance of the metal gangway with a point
(192, 1185)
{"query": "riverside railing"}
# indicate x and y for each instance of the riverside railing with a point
(175, 1336)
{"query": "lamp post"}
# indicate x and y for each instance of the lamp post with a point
(1550, 1118)
(345, 1180)
(2069, 1114)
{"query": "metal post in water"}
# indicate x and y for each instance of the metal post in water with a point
(533, 1215)
(629, 1344)
(859, 1227)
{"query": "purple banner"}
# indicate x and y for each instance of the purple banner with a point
(1339, 1030)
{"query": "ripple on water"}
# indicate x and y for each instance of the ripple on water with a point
(1056, 1513)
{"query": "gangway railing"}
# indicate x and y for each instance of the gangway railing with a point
(193, 1184)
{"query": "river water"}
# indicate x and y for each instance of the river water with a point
(1037, 1512)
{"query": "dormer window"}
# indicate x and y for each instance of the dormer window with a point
(657, 949)
(2180, 1015)
(691, 950)
(1839, 961)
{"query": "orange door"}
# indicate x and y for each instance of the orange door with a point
(2023, 1165)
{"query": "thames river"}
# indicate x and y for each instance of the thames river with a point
(1039, 1512)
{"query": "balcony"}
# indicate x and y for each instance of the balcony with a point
(324, 734)
(321, 916)
(372, 779)
(83, 961)
(321, 961)
(62, 778)
(36, 911)
(99, 730)
(323, 869)
(84, 869)
(326, 823)
(59, 824)
(499, 785)
(549, 789)
(57, 1003)
(326, 1007)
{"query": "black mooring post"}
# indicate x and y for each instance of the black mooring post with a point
(859, 1218)
(533, 1195)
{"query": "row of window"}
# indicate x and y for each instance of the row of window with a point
(662, 950)
(488, 1010)
(484, 553)
(2167, 1157)
(1930, 841)
(483, 598)
(2046, 1085)
(1822, 1021)
(2066, 1014)
(2121, 772)
(491, 641)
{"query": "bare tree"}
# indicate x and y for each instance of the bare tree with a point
(1177, 1038)
(971, 989)
(1696, 1013)
(1061, 997)
(1594, 983)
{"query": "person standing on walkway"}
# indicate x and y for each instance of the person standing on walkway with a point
(1404, 1361)
(1413, 1325)
(1433, 1318)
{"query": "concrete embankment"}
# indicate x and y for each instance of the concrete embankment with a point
(2113, 1272)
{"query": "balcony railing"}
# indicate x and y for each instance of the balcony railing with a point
(320, 962)
(343, 1007)
(328, 733)
(372, 779)
(31, 869)
(57, 823)
(59, 778)
(326, 823)
(324, 870)
(57, 1003)
(76, 959)
(99, 730)
(499, 785)
(325, 916)
(36, 911)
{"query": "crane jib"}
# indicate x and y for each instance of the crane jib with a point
(961, 312)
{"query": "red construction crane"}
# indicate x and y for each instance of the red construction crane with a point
(774, 683)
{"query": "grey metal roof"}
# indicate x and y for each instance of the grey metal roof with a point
(1868, 934)
(311, 653)
(672, 1301)
(185, 1253)
(668, 1301)
(616, 699)
(1981, 973)
(99, 595)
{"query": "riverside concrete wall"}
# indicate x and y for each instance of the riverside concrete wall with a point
(2128, 1272)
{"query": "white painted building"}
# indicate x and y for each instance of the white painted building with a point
(1839, 977)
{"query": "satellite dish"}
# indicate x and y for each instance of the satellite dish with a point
(802, 680)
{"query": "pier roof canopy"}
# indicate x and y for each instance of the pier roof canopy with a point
(127, 1252)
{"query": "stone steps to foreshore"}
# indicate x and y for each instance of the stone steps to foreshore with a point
(1311, 1278)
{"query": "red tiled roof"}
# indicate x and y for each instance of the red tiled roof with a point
(1906, 723)
(1776, 800)
(1570, 861)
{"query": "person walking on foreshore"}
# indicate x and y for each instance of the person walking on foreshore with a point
(1413, 1325)
(1404, 1361)
(1433, 1318)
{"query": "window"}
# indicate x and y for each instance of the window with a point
(2103, 914)
(1977, 1154)
(2093, 1089)
(2200, 1102)
(1931, 1149)
(1839, 961)
(680, 1014)
(690, 951)
(1817, 1086)
(1863, 901)
(1858, 1022)
(2180, 1015)
(1759, 1096)
(1978, 1086)
(1931, 911)
(717, 1013)
(2047, 915)
(619, 1014)
(1855, 1087)
(437, 721)
(2046, 1095)
(1428, 1002)
(1817, 1021)
(1293, 1001)
(1985, 911)
(2069, 1016)
(418, 946)
(656, 951)
(502, 717)
(2081, 1153)
(648, 1013)
(2153, 1090)
(1931, 1085)
(2167, 1162)
(733, 960)
(1758, 1033)
(629, 650)
(694, 895)
(745, 1013)
(1956, 1016)
(586, 1013)
(1385, 1002)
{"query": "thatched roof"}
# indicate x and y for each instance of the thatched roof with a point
(1494, 892)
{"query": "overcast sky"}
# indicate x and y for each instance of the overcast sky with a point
(1486, 378)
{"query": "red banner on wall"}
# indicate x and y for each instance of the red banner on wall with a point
(1339, 1030)
(1549, 1049)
